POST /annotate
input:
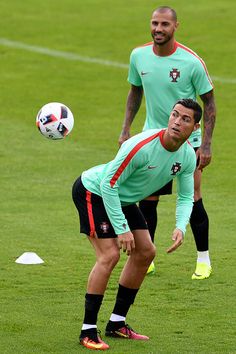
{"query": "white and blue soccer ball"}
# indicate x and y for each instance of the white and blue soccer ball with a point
(55, 120)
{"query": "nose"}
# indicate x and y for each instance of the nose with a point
(158, 27)
(177, 120)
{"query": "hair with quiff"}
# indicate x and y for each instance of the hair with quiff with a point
(191, 104)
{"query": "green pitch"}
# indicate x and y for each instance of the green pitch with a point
(58, 51)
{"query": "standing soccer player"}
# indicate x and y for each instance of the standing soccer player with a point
(106, 197)
(165, 71)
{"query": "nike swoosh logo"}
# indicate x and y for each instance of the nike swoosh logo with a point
(121, 334)
(90, 344)
(144, 73)
(151, 167)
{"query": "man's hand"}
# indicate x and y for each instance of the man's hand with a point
(203, 156)
(123, 137)
(178, 239)
(126, 242)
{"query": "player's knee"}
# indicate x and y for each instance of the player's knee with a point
(109, 260)
(197, 194)
(152, 252)
(147, 254)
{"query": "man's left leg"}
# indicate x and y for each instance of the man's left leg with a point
(107, 256)
(130, 281)
(200, 227)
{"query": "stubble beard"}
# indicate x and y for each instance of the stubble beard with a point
(165, 40)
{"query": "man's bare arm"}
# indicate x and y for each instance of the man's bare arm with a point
(134, 100)
(209, 116)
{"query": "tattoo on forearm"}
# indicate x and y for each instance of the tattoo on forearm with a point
(209, 116)
(133, 104)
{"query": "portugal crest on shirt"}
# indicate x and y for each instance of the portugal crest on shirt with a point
(174, 74)
(176, 167)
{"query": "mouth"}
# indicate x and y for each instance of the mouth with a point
(175, 130)
(159, 36)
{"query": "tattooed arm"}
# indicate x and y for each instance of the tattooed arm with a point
(132, 106)
(209, 115)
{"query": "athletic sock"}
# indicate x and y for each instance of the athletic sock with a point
(203, 257)
(149, 210)
(200, 226)
(124, 299)
(92, 306)
(91, 333)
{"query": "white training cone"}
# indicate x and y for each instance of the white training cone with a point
(29, 258)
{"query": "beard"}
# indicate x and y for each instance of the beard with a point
(163, 40)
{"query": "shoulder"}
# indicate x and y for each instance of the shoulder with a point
(146, 135)
(189, 53)
(142, 48)
(187, 151)
(189, 148)
(142, 139)
(190, 154)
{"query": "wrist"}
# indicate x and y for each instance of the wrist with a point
(125, 130)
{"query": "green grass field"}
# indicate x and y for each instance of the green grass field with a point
(42, 305)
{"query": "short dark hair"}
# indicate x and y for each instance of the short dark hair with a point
(189, 103)
(167, 8)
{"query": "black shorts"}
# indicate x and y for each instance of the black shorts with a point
(167, 188)
(93, 216)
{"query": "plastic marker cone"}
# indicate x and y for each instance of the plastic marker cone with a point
(29, 258)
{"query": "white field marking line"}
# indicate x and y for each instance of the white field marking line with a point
(60, 54)
(76, 57)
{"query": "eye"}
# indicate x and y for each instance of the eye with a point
(186, 119)
(174, 114)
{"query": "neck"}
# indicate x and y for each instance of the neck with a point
(170, 143)
(165, 49)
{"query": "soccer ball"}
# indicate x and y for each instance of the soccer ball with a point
(55, 120)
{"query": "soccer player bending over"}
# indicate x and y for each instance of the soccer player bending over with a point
(106, 197)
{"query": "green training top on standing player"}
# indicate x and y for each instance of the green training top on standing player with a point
(183, 74)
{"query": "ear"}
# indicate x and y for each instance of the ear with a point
(196, 126)
(176, 25)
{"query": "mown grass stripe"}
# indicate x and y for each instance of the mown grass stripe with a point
(85, 59)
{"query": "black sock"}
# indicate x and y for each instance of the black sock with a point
(91, 333)
(149, 210)
(200, 226)
(92, 306)
(124, 299)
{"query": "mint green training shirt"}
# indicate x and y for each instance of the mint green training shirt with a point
(142, 166)
(183, 74)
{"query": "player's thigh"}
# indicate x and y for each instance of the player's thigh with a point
(106, 248)
(152, 198)
(94, 220)
(135, 218)
(143, 242)
(139, 228)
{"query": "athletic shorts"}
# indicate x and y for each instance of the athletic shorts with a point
(93, 216)
(167, 188)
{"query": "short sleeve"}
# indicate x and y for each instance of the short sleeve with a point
(200, 77)
(133, 76)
